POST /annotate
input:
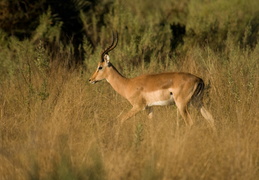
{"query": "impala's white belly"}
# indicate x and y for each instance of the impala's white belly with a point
(161, 103)
(159, 98)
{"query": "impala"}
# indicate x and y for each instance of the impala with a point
(146, 91)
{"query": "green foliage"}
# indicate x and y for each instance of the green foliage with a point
(145, 28)
(46, 30)
(210, 22)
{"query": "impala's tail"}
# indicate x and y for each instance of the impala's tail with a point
(198, 94)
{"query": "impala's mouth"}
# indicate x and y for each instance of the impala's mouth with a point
(92, 82)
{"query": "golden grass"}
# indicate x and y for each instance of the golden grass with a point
(71, 134)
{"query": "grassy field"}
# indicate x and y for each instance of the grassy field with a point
(67, 131)
(55, 125)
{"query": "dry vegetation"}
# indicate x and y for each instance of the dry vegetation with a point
(54, 125)
(71, 134)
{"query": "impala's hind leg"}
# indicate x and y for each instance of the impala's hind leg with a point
(197, 101)
(208, 117)
(183, 110)
(181, 101)
(205, 113)
(177, 118)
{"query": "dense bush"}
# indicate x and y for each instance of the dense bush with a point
(179, 25)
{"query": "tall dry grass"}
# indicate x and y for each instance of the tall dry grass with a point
(67, 129)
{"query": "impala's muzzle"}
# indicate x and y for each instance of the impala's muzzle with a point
(92, 81)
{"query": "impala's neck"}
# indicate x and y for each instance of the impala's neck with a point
(117, 81)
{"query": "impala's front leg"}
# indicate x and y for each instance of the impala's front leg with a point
(130, 113)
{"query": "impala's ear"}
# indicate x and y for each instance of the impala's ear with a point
(106, 58)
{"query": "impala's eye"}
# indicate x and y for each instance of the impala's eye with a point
(100, 68)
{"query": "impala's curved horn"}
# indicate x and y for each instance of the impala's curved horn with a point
(112, 46)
